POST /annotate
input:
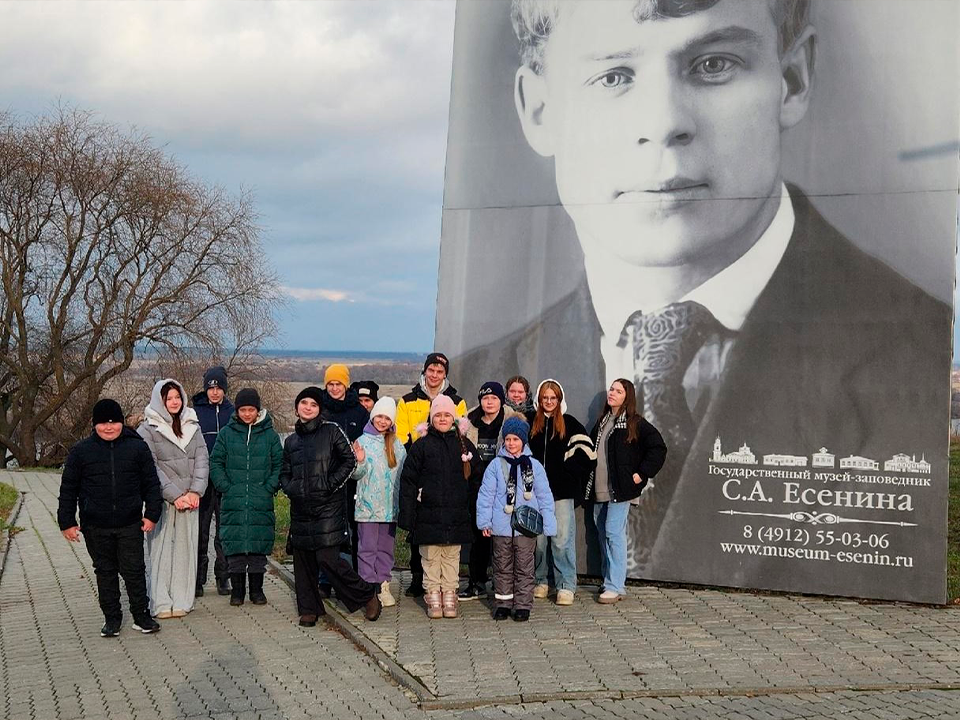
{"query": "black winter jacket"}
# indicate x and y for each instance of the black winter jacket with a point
(568, 460)
(317, 461)
(435, 499)
(645, 456)
(111, 482)
(348, 413)
(212, 418)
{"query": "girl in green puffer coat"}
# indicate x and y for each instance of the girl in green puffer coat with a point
(245, 468)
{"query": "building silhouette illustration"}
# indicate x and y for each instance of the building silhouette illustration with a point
(901, 462)
(743, 456)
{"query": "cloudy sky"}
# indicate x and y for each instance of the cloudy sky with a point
(334, 114)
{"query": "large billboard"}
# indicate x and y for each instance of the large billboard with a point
(749, 209)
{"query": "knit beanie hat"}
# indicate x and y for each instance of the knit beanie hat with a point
(437, 358)
(386, 406)
(336, 373)
(442, 403)
(491, 388)
(107, 411)
(312, 392)
(366, 388)
(516, 426)
(215, 377)
(247, 397)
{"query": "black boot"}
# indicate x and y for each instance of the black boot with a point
(256, 589)
(223, 585)
(238, 588)
(416, 586)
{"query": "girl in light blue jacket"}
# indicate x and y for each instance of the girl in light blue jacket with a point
(380, 456)
(512, 479)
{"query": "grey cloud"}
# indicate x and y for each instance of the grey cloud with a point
(333, 114)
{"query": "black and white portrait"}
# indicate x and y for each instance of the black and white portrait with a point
(748, 208)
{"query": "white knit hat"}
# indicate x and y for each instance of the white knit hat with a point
(385, 406)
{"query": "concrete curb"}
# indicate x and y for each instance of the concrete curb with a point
(5, 539)
(425, 698)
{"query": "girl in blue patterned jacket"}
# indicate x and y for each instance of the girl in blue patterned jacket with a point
(380, 456)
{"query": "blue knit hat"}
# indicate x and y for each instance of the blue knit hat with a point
(518, 427)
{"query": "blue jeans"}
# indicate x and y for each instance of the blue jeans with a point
(611, 521)
(562, 550)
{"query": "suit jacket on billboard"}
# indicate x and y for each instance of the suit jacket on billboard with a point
(839, 351)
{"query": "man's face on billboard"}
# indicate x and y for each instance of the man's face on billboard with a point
(665, 132)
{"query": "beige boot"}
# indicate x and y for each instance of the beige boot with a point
(386, 597)
(434, 608)
(450, 603)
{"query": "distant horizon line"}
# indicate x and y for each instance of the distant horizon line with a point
(349, 353)
(298, 352)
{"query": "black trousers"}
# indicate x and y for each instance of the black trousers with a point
(416, 565)
(352, 590)
(479, 557)
(252, 563)
(354, 531)
(118, 552)
(210, 507)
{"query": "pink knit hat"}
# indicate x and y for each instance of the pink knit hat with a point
(442, 403)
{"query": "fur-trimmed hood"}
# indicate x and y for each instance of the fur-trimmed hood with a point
(470, 429)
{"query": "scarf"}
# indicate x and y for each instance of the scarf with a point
(525, 408)
(520, 469)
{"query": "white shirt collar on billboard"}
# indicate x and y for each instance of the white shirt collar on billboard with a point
(729, 295)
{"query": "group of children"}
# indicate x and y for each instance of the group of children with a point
(138, 495)
(447, 481)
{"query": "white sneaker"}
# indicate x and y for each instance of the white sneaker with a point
(386, 597)
(541, 591)
(609, 597)
(565, 597)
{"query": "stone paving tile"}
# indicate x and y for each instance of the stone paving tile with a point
(673, 639)
(825, 706)
(255, 662)
(232, 662)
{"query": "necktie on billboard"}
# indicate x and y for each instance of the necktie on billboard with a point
(664, 344)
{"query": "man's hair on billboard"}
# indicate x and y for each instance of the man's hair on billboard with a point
(534, 20)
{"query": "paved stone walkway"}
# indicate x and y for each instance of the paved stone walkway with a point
(672, 640)
(255, 662)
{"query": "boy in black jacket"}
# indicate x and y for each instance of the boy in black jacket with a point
(112, 475)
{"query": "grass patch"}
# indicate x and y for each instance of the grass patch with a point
(8, 498)
(953, 526)
(401, 550)
(281, 508)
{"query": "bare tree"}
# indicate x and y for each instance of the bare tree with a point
(108, 248)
